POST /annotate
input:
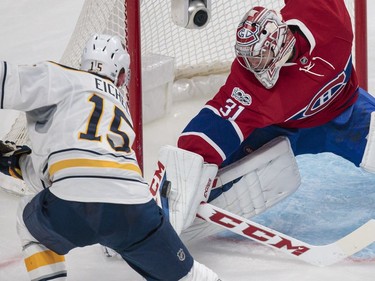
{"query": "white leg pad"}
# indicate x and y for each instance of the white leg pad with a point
(191, 181)
(262, 179)
(368, 159)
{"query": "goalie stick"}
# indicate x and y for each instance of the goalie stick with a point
(317, 255)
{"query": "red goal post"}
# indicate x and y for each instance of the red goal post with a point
(360, 33)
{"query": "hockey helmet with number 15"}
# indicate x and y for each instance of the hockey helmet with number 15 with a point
(106, 55)
(263, 44)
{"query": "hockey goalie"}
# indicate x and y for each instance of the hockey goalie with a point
(290, 77)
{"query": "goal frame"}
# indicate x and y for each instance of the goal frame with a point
(133, 38)
(360, 38)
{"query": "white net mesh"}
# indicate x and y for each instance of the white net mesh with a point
(97, 16)
(196, 52)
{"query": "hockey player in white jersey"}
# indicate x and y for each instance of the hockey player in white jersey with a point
(89, 187)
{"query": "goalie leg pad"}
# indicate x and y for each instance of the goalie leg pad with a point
(252, 185)
(190, 184)
(368, 159)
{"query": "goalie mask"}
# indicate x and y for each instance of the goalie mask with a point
(106, 55)
(263, 44)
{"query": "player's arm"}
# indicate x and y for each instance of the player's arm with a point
(19, 83)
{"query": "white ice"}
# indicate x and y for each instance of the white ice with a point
(334, 199)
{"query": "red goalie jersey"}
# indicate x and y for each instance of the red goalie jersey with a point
(313, 87)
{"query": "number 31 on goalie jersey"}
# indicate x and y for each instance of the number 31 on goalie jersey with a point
(93, 125)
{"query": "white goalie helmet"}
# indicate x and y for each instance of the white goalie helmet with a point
(263, 44)
(106, 55)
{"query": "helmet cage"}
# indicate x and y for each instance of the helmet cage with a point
(263, 44)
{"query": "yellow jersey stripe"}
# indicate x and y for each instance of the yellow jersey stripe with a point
(41, 259)
(15, 173)
(90, 163)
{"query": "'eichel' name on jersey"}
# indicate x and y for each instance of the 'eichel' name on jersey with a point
(103, 86)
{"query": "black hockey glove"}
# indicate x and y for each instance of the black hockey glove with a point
(10, 154)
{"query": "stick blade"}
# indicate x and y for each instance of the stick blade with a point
(358, 239)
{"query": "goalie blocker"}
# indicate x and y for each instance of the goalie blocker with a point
(246, 188)
(181, 182)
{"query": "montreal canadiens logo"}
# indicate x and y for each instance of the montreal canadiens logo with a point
(326, 95)
(248, 34)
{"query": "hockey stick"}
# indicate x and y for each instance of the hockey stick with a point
(317, 255)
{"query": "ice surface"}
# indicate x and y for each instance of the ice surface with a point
(334, 199)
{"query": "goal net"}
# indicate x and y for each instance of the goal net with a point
(201, 52)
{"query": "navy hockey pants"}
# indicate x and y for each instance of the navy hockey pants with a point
(139, 233)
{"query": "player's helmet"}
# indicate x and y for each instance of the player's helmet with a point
(106, 55)
(263, 44)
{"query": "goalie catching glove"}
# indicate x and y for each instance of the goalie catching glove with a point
(10, 154)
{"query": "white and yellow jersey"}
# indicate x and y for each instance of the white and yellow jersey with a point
(80, 130)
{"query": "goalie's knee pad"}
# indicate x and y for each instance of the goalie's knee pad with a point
(190, 183)
(252, 185)
(41, 263)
